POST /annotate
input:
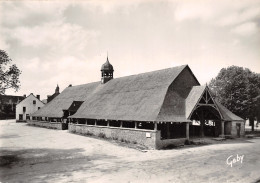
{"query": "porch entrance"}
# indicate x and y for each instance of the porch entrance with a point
(207, 118)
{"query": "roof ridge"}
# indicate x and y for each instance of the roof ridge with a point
(160, 70)
(153, 71)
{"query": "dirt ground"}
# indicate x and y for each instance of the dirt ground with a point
(32, 154)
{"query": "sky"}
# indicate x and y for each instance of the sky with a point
(66, 42)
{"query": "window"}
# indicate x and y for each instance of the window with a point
(39, 108)
(34, 101)
(24, 109)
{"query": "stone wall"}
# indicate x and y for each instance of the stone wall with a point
(50, 125)
(143, 137)
(148, 138)
(228, 127)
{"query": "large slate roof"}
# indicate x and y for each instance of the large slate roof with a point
(135, 97)
(64, 100)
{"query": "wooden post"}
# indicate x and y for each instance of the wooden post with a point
(222, 129)
(155, 126)
(202, 121)
(121, 124)
(168, 130)
(107, 123)
(95, 122)
(135, 124)
(188, 131)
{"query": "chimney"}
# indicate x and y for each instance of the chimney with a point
(24, 95)
(38, 97)
(70, 85)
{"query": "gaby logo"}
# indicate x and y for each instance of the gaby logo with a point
(234, 159)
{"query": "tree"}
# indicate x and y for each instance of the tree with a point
(9, 74)
(237, 88)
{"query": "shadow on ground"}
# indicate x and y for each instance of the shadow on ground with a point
(197, 142)
(9, 136)
(31, 165)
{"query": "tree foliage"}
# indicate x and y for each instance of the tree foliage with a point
(238, 89)
(9, 73)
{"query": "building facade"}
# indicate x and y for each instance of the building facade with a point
(154, 109)
(28, 106)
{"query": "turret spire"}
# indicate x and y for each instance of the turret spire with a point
(57, 90)
(106, 71)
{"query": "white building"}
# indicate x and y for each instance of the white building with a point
(28, 106)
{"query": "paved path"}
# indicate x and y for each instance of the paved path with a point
(32, 154)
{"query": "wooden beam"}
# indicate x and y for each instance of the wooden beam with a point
(168, 130)
(222, 129)
(188, 131)
(155, 126)
(202, 121)
(212, 105)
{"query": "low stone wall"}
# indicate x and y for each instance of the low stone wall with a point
(149, 138)
(50, 125)
(143, 137)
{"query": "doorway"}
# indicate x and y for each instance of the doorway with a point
(20, 117)
(238, 129)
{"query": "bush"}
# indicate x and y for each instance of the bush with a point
(115, 138)
(126, 141)
(187, 142)
(102, 135)
(89, 133)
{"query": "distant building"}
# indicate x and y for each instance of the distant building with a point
(8, 105)
(51, 97)
(28, 106)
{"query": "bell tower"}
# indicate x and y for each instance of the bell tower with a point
(57, 90)
(106, 72)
